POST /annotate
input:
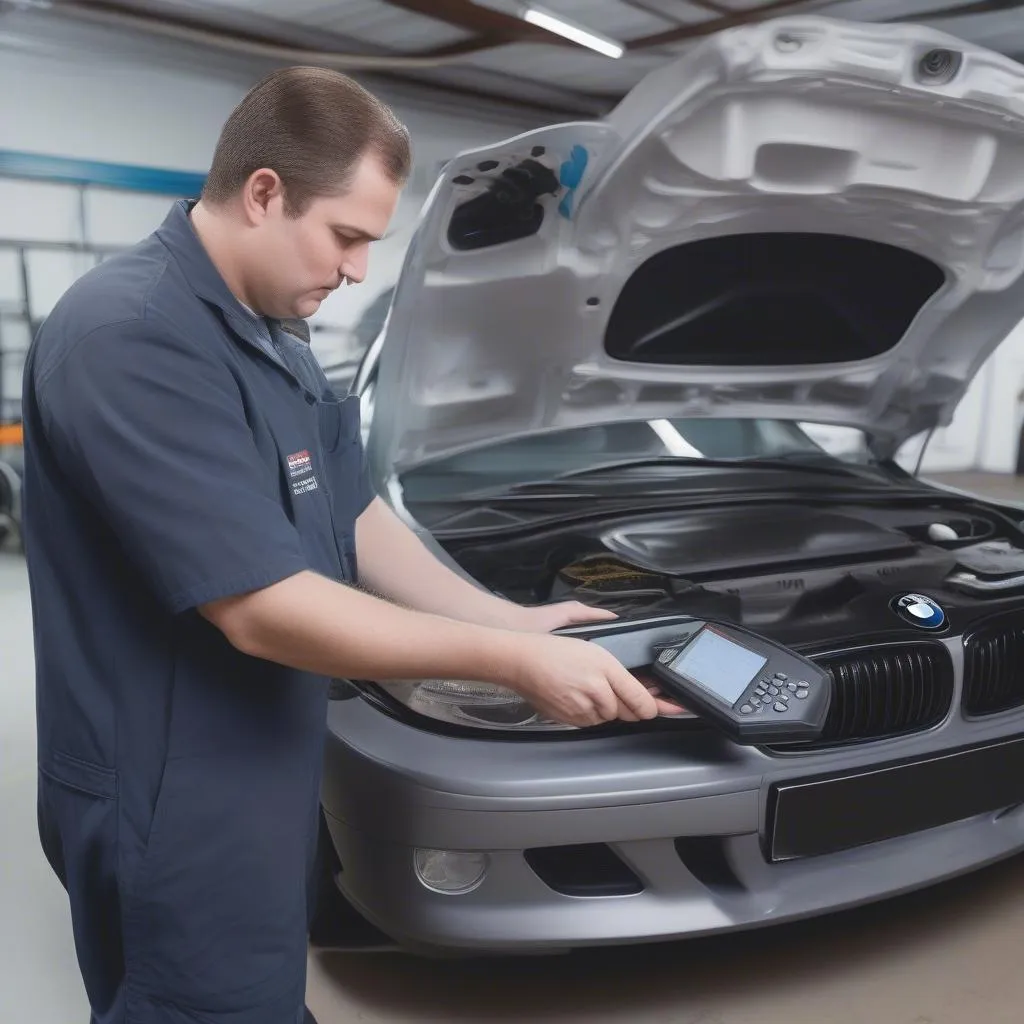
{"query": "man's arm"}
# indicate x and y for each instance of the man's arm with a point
(394, 563)
(317, 625)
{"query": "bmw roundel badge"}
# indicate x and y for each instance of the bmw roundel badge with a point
(919, 611)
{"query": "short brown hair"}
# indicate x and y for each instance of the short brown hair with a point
(310, 125)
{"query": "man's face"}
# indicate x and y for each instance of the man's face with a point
(296, 262)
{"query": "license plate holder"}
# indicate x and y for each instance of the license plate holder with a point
(829, 814)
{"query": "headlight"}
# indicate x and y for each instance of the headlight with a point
(481, 705)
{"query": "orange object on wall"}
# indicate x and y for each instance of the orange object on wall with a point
(11, 434)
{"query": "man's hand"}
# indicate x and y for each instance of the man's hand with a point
(549, 617)
(578, 683)
(546, 618)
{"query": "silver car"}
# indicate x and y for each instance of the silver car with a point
(664, 363)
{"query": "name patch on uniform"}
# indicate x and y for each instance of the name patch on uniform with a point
(300, 470)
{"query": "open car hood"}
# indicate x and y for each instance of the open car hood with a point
(803, 219)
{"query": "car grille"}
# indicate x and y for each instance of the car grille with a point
(885, 690)
(994, 669)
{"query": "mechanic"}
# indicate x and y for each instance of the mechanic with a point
(205, 554)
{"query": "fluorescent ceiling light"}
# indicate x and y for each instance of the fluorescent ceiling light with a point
(575, 33)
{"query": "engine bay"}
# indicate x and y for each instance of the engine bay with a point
(801, 572)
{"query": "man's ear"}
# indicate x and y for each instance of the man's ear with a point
(262, 187)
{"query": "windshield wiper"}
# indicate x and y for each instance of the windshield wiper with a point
(798, 461)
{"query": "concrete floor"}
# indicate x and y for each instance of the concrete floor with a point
(948, 955)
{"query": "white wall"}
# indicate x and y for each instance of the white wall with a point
(1000, 430)
(953, 448)
(985, 430)
(100, 106)
(103, 97)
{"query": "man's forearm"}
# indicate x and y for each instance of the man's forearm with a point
(394, 563)
(321, 626)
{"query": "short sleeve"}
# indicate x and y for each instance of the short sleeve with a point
(152, 430)
(365, 491)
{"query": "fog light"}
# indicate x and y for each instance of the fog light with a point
(450, 872)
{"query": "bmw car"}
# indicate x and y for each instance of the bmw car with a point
(670, 363)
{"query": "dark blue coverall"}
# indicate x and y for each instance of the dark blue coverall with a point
(179, 449)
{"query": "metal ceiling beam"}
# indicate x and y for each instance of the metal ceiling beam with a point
(706, 28)
(713, 7)
(483, 22)
(194, 28)
(475, 44)
(267, 43)
(675, 19)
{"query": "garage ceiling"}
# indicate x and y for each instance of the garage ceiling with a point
(485, 48)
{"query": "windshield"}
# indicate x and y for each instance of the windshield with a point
(553, 455)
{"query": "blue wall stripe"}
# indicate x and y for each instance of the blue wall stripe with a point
(39, 167)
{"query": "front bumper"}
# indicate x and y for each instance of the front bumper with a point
(689, 815)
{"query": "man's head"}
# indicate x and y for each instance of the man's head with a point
(306, 173)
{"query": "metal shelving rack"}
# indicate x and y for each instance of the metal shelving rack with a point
(18, 325)
(19, 321)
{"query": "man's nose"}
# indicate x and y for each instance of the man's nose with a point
(354, 268)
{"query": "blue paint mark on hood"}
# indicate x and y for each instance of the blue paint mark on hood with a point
(570, 174)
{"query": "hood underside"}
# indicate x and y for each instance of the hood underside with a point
(804, 219)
